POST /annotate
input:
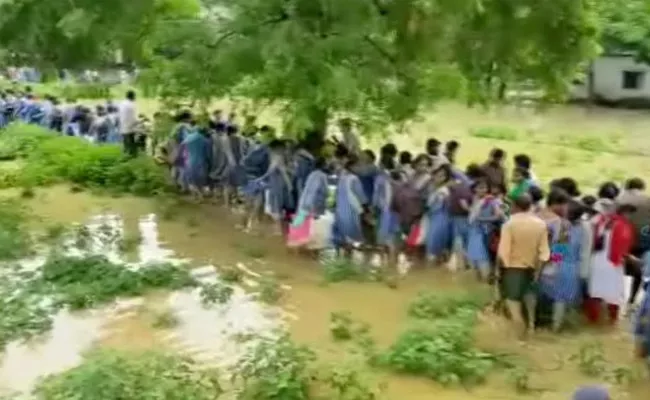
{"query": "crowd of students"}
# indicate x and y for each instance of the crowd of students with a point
(552, 250)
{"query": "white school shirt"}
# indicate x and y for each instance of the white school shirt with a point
(128, 117)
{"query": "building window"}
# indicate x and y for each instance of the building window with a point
(632, 79)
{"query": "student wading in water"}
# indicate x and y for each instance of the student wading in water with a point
(523, 250)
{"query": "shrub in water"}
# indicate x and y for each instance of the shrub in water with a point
(114, 376)
(15, 241)
(82, 282)
(443, 352)
(275, 369)
(429, 305)
(50, 158)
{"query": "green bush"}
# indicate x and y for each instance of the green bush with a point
(15, 240)
(443, 351)
(83, 282)
(110, 375)
(50, 158)
(430, 305)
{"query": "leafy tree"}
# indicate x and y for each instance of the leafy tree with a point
(626, 27)
(376, 59)
(83, 33)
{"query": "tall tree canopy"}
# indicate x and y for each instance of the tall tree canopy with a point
(375, 59)
(84, 33)
(626, 27)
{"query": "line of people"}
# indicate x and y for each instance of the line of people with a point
(103, 123)
(550, 251)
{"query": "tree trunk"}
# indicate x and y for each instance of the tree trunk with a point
(318, 117)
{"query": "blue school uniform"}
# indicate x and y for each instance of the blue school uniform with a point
(255, 165)
(313, 199)
(387, 221)
(367, 175)
(563, 285)
(305, 164)
(278, 189)
(438, 235)
(480, 229)
(197, 162)
(350, 201)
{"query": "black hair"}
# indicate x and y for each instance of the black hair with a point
(387, 162)
(277, 144)
(433, 142)
(522, 161)
(130, 95)
(608, 190)
(405, 157)
(569, 185)
(421, 157)
(389, 149)
(635, 184)
(341, 151)
(370, 154)
(589, 200)
(536, 194)
(184, 116)
(557, 197)
(231, 129)
(351, 161)
(452, 145)
(266, 128)
(474, 171)
(497, 153)
(576, 211)
(446, 168)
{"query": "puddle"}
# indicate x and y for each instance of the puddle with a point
(209, 334)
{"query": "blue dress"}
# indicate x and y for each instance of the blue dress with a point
(480, 229)
(350, 200)
(278, 187)
(564, 284)
(255, 165)
(367, 175)
(305, 164)
(313, 199)
(197, 162)
(438, 235)
(388, 221)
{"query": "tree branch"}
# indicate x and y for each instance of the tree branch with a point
(226, 35)
(381, 50)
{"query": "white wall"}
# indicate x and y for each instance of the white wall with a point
(608, 78)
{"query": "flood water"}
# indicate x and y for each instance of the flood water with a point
(205, 235)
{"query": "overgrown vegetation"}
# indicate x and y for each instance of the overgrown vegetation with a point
(277, 368)
(430, 305)
(443, 351)
(110, 375)
(29, 298)
(216, 293)
(339, 269)
(49, 158)
(15, 240)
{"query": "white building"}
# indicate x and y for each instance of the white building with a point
(616, 79)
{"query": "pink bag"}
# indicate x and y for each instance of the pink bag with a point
(301, 234)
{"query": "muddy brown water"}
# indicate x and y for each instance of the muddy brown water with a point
(207, 234)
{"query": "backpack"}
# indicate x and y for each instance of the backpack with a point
(407, 202)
